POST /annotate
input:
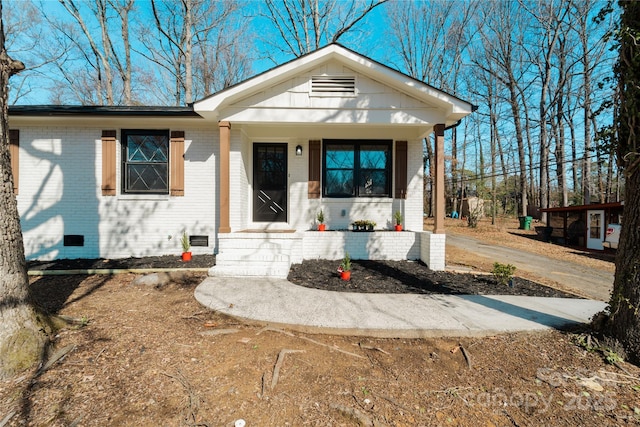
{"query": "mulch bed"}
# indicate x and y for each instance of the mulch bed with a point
(391, 277)
(165, 261)
(409, 277)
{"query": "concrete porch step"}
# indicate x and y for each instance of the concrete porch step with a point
(232, 257)
(246, 270)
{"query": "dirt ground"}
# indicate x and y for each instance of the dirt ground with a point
(153, 356)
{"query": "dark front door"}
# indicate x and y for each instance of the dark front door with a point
(269, 182)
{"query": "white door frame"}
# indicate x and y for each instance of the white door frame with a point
(595, 229)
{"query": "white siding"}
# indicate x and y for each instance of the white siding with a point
(373, 102)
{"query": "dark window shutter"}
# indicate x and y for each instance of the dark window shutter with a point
(401, 170)
(14, 154)
(108, 162)
(314, 169)
(176, 159)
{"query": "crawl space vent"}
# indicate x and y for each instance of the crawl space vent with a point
(199, 240)
(344, 85)
(73, 240)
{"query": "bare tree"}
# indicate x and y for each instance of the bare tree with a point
(307, 25)
(432, 38)
(550, 17)
(123, 8)
(23, 37)
(90, 42)
(195, 38)
(101, 54)
(502, 38)
(21, 337)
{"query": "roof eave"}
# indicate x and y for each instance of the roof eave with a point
(121, 111)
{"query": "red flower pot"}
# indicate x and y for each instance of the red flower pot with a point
(345, 275)
(398, 227)
(186, 256)
(322, 227)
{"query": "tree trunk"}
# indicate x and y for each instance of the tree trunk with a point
(587, 93)
(123, 12)
(624, 321)
(520, 140)
(599, 174)
(188, 52)
(559, 122)
(21, 338)
(574, 158)
(493, 131)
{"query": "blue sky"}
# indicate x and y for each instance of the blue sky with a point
(366, 37)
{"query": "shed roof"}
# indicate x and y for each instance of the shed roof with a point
(592, 206)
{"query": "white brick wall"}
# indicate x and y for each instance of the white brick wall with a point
(414, 204)
(389, 245)
(60, 193)
(432, 250)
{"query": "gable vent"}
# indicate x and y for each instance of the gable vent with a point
(344, 85)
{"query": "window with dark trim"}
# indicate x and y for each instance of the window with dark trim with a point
(356, 168)
(145, 161)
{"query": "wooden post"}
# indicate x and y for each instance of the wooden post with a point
(439, 211)
(225, 148)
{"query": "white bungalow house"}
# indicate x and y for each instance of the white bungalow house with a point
(244, 172)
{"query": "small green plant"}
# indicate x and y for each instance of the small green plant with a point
(345, 265)
(397, 216)
(611, 357)
(320, 217)
(591, 344)
(503, 273)
(186, 244)
(363, 224)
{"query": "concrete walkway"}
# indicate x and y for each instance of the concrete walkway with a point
(280, 303)
(585, 281)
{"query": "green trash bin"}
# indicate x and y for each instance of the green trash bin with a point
(525, 222)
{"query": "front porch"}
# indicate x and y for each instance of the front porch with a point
(261, 253)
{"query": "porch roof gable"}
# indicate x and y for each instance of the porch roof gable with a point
(436, 106)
